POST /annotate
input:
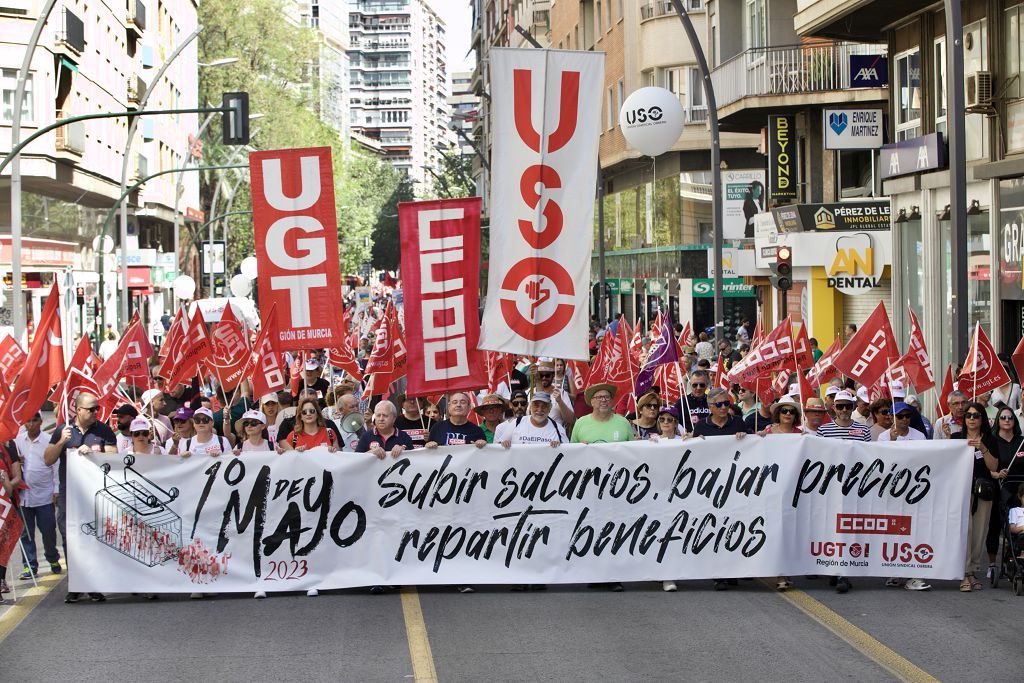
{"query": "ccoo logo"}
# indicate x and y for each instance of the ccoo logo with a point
(642, 115)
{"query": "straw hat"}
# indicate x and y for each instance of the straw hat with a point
(488, 401)
(588, 395)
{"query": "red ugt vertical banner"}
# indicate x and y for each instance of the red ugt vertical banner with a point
(296, 245)
(441, 276)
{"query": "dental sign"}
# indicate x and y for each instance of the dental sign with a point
(853, 128)
(855, 267)
(544, 174)
(296, 239)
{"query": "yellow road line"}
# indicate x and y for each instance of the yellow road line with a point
(890, 660)
(27, 601)
(416, 633)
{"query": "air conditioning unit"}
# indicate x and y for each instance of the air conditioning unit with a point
(979, 89)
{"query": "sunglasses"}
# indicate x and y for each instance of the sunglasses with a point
(972, 416)
(698, 385)
(545, 374)
(140, 433)
(885, 411)
(651, 406)
(721, 404)
(666, 419)
(787, 411)
(519, 403)
(843, 406)
(252, 423)
(309, 411)
(91, 409)
(903, 416)
(1008, 418)
(201, 420)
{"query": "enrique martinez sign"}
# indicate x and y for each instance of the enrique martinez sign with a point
(781, 505)
(296, 238)
(542, 189)
(440, 271)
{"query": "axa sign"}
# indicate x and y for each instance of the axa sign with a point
(869, 71)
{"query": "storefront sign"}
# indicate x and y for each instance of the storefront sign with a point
(742, 200)
(656, 287)
(853, 128)
(782, 168)
(618, 286)
(730, 262)
(869, 71)
(871, 215)
(35, 252)
(856, 267)
(1011, 252)
(926, 153)
(140, 257)
(704, 288)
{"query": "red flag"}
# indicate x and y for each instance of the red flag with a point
(388, 360)
(758, 334)
(636, 344)
(343, 358)
(721, 376)
(265, 367)
(84, 361)
(670, 377)
(982, 372)
(916, 361)
(12, 359)
(772, 353)
(612, 363)
(10, 524)
(687, 337)
(945, 391)
(295, 372)
(871, 349)
(171, 348)
(499, 367)
(130, 358)
(194, 348)
(825, 369)
(78, 381)
(44, 365)
(802, 349)
(1018, 360)
(806, 391)
(230, 352)
(579, 370)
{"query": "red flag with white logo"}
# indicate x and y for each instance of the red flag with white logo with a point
(229, 350)
(194, 348)
(916, 361)
(12, 359)
(499, 369)
(580, 371)
(824, 369)
(130, 358)
(266, 369)
(612, 363)
(871, 349)
(441, 270)
(687, 337)
(771, 354)
(982, 372)
(947, 388)
(44, 365)
(296, 239)
(388, 359)
(343, 358)
(10, 523)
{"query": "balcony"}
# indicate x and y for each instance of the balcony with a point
(136, 18)
(70, 37)
(70, 138)
(790, 76)
(136, 89)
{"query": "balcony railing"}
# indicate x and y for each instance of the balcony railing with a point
(70, 136)
(793, 69)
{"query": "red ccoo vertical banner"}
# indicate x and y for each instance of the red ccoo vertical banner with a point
(297, 245)
(441, 278)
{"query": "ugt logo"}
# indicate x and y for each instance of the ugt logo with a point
(838, 121)
(642, 115)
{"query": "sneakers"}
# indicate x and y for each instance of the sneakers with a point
(842, 585)
(720, 585)
(97, 597)
(991, 572)
(616, 587)
(467, 589)
(26, 574)
(376, 590)
(196, 596)
(893, 582)
(916, 585)
(312, 593)
(55, 568)
(668, 586)
(259, 595)
(71, 597)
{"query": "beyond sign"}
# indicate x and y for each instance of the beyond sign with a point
(781, 159)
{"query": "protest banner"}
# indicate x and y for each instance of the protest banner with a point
(542, 189)
(782, 505)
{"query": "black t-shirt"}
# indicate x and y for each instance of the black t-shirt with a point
(321, 385)
(1006, 449)
(399, 438)
(97, 437)
(444, 433)
(981, 470)
(418, 430)
(699, 410)
(755, 422)
(708, 428)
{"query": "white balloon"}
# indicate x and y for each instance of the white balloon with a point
(241, 285)
(651, 120)
(184, 287)
(248, 267)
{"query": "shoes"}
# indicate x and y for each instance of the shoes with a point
(467, 589)
(55, 568)
(991, 572)
(893, 582)
(259, 595)
(976, 585)
(97, 597)
(4, 588)
(312, 593)
(26, 574)
(720, 585)
(71, 597)
(916, 585)
(783, 584)
(616, 587)
(196, 596)
(376, 590)
(668, 586)
(842, 585)
(965, 585)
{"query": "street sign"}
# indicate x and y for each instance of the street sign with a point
(213, 259)
(853, 128)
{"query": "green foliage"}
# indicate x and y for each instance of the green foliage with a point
(454, 178)
(386, 250)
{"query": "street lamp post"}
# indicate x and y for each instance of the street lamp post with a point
(957, 177)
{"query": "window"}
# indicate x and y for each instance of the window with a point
(698, 108)
(940, 85)
(695, 5)
(755, 24)
(975, 59)
(1013, 52)
(912, 280)
(621, 95)
(856, 169)
(610, 115)
(9, 87)
(672, 79)
(908, 89)
(597, 16)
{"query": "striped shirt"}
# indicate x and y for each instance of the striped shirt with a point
(855, 432)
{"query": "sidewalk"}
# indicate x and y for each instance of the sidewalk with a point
(24, 589)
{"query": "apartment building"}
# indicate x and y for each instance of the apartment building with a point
(330, 21)
(97, 57)
(914, 169)
(398, 82)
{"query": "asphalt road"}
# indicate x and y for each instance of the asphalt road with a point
(568, 633)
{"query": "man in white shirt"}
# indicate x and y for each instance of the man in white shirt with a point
(948, 425)
(37, 502)
(862, 413)
(561, 404)
(539, 428)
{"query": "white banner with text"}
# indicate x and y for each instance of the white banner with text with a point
(781, 505)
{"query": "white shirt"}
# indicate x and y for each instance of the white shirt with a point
(528, 433)
(938, 433)
(124, 443)
(1017, 516)
(503, 432)
(264, 445)
(41, 479)
(911, 435)
(556, 413)
(215, 446)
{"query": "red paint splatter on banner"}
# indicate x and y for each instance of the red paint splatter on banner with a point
(199, 564)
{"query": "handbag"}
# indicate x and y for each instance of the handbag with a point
(984, 489)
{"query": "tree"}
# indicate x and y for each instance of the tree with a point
(454, 177)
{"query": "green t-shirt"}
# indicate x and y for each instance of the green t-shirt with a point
(817, 354)
(589, 430)
(487, 432)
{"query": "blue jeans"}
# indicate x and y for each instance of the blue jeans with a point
(44, 517)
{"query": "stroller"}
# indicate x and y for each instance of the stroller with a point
(1011, 566)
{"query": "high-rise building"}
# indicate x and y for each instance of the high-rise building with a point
(329, 20)
(398, 81)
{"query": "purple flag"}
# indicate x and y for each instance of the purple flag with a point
(663, 350)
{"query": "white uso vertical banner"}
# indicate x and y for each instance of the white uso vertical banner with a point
(546, 122)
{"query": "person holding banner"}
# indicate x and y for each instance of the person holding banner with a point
(519, 404)
(153, 403)
(561, 403)
(254, 423)
(694, 406)
(206, 441)
(785, 418)
(384, 437)
(881, 417)
(141, 431)
(457, 430)
(948, 425)
(491, 411)
(668, 426)
(900, 430)
(539, 428)
(814, 415)
(603, 425)
(183, 429)
(125, 413)
(646, 422)
(978, 434)
(722, 421)
(310, 429)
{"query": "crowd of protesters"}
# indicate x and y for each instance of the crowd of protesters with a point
(537, 404)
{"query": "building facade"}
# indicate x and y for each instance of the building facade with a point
(398, 82)
(98, 57)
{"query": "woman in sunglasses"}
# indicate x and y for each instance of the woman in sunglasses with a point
(181, 422)
(983, 489)
(785, 418)
(142, 437)
(646, 422)
(206, 441)
(881, 414)
(310, 429)
(668, 425)
(254, 425)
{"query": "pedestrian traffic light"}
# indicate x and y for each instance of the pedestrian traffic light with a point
(782, 270)
(235, 118)
(80, 296)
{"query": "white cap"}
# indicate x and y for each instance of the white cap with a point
(270, 398)
(845, 396)
(203, 411)
(140, 424)
(255, 415)
(149, 395)
(897, 390)
(862, 394)
(832, 390)
(794, 389)
(312, 364)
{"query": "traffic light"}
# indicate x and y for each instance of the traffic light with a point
(80, 296)
(235, 118)
(782, 270)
